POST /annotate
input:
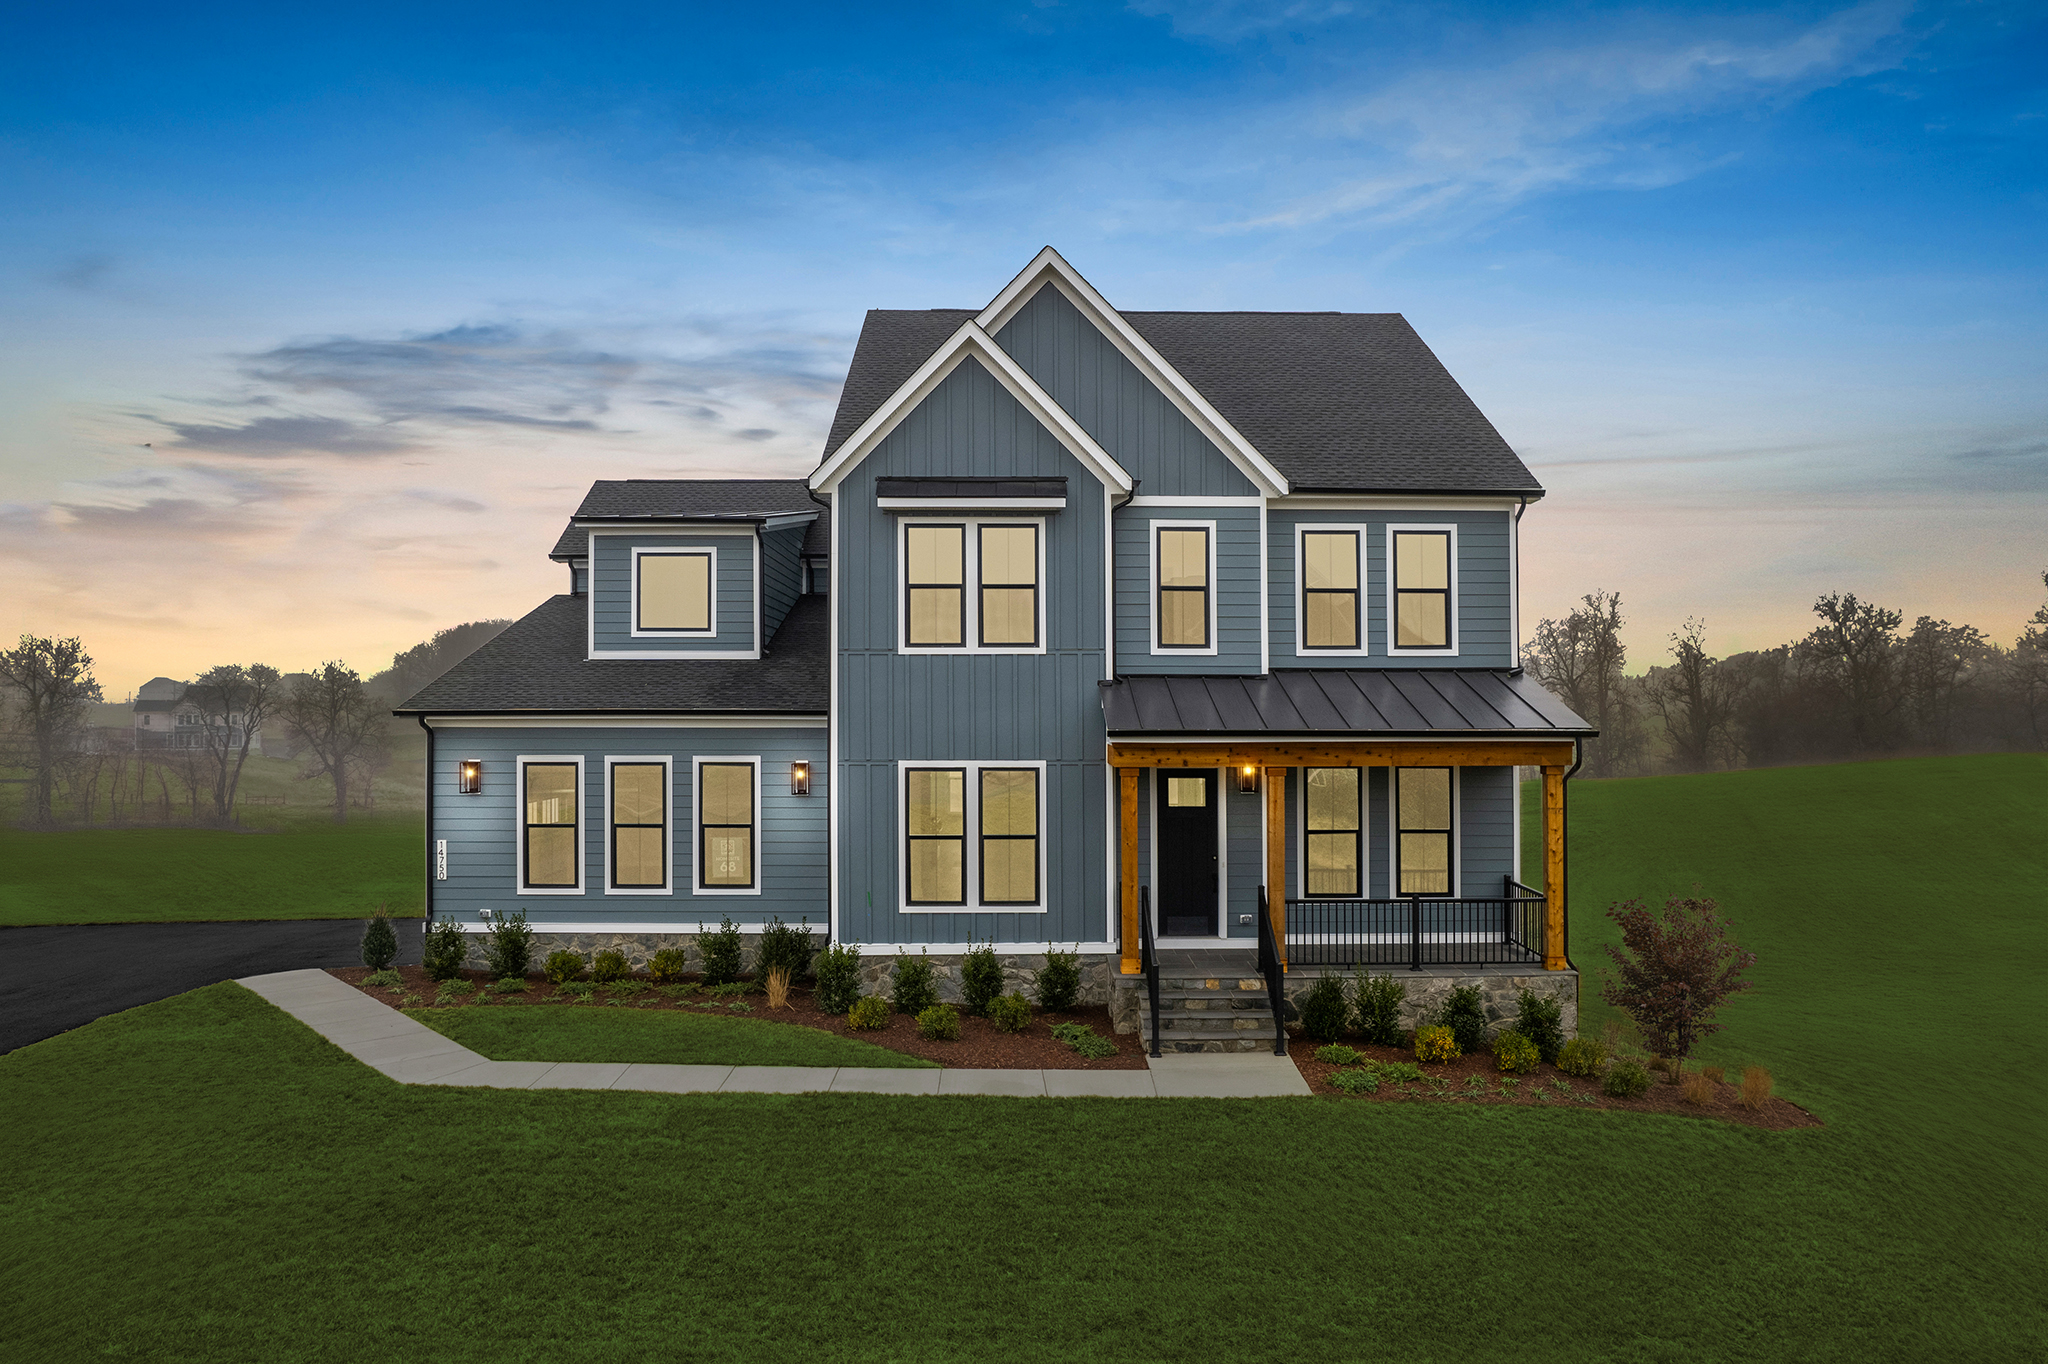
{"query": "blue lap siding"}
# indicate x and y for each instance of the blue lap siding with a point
(611, 560)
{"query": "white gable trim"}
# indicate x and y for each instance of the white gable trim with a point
(1049, 267)
(972, 341)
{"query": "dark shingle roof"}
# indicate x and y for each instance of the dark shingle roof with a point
(1324, 701)
(703, 499)
(1337, 401)
(537, 665)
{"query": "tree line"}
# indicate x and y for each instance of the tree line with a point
(335, 723)
(1859, 685)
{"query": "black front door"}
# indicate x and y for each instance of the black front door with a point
(1187, 854)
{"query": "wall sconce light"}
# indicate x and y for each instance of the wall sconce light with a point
(469, 777)
(800, 778)
(1247, 780)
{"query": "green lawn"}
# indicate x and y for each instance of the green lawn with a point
(300, 869)
(586, 1032)
(205, 1179)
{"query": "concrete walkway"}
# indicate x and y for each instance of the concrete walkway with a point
(414, 1054)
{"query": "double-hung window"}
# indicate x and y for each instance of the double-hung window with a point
(1182, 573)
(639, 819)
(672, 591)
(1423, 614)
(972, 585)
(1008, 568)
(972, 836)
(1333, 832)
(550, 829)
(728, 843)
(1329, 589)
(935, 586)
(1423, 853)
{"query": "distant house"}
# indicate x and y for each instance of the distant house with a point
(164, 718)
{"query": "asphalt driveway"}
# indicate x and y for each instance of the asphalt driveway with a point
(58, 977)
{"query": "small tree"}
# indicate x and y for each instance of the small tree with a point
(331, 712)
(233, 703)
(380, 944)
(1675, 971)
(52, 682)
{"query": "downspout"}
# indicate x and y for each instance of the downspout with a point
(1516, 607)
(430, 823)
(1109, 571)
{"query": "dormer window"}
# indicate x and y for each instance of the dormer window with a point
(672, 591)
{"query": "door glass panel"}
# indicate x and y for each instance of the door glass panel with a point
(1187, 791)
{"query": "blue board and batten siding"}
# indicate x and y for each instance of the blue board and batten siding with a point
(1235, 556)
(481, 830)
(970, 707)
(611, 603)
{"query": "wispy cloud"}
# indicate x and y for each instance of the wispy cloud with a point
(1234, 20)
(286, 437)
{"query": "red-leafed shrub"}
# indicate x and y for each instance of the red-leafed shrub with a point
(1675, 970)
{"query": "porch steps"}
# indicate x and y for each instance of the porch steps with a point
(1208, 1012)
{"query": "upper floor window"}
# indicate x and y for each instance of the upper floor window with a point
(1423, 585)
(1333, 832)
(1184, 578)
(672, 590)
(1329, 589)
(973, 585)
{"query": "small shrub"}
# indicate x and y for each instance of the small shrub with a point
(1378, 1000)
(1698, 1089)
(789, 949)
(1756, 1087)
(508, 985)
(380, 944)
(1626, 1079)
(1540, 1018)
(1514, 1053)
(939, 1023)
(912, 986)
(1401, 1072)
(627, 989)
(676, 991)
(1582, 1056)
(730, 990)
(1715, 1073)
(1084, 1040)
(1058, 983)
(740, 1006)
(721, 952)
(562, 966)
(1436, 1043)
(447, 947)
(510, 946)
(1464, 1013)
(387, 979)
(1324, 1010)
(455, 989)
(667, 965)
(1508, 1084)
(1675, 971)
(868, 1013)
(608, 966)
(1357, 1081)
(1337, 1055)
(777, 985)
(981, 978)
(1010, 1013)
(574, 991)
(411, 1001)
(838, 978)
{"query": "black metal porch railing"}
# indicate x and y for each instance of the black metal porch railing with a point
(1148, 959)
(1272, 968)
(1418, 932)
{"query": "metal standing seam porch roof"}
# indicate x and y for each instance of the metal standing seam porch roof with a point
(1299, 703)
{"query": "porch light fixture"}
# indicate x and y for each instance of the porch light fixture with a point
(469, 777)
(1247, 780)
(800, 778)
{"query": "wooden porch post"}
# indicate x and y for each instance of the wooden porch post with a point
(1128, 808)
(1553, 869)
(1276, 856)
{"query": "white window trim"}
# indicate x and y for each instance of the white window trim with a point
(1226, 786)
(971, 868)
(1152, 529)
(633, 591)
(1439, 527)
(1301, 891)
(1301, 646)
(1457, 839)
(697, 825)
(590, 649)
(668, 786)
(970, 586)
(519, 886)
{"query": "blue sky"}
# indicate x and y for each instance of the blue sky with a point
(312, 329)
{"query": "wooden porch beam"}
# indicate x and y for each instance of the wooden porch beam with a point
(1553, 868)
(1276, 856)
(1449, 753)
(1128, 842)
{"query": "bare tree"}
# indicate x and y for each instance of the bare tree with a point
(1696, 698)
(333, 714)
(1852, 654)
(233, 703)
(52, 683)
(1580, 658)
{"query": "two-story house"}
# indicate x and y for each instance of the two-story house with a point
(1136, 633)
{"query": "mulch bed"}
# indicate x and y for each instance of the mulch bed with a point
(981, 1045)
(1539, 1088)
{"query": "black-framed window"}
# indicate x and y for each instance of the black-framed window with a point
(1183, 555)
(673, 591)
(1008, 571)
(725, 826)
(549, 827)
(1423, 853)
(1329, 589)
(935, 586)
(1333, 832)
(1009, 835)
(935, 829)
(639, 826)
(1422, 589)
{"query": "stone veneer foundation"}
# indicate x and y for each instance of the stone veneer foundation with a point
(1499, 986)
